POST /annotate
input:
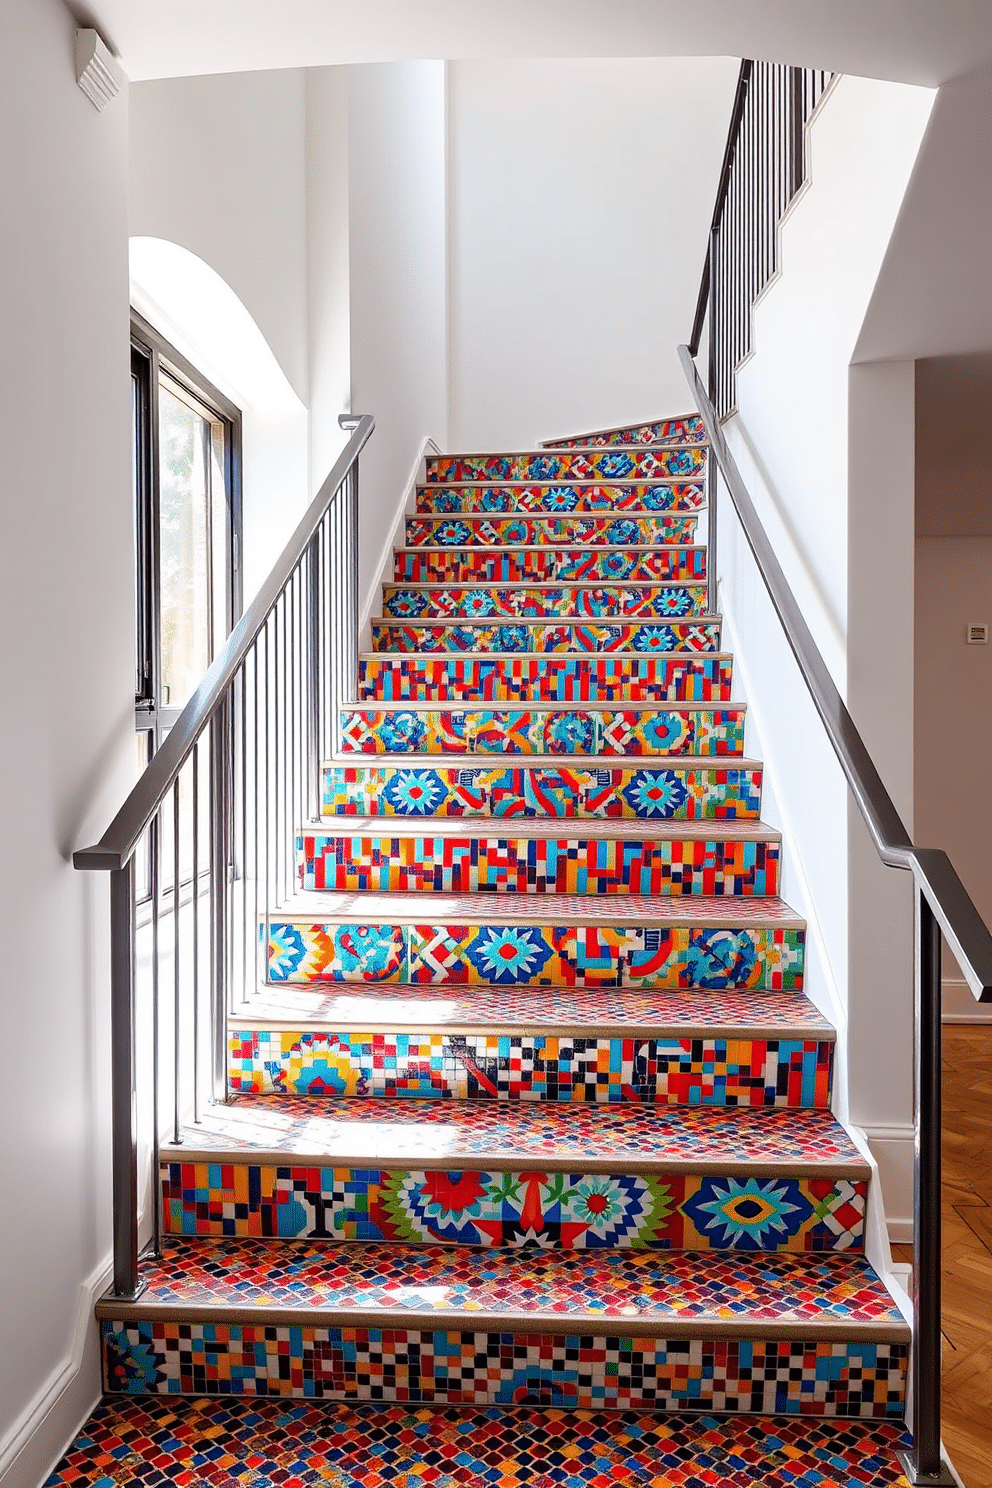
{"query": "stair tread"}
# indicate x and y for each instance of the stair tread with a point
(547, 452)
(401, 658)
(713, 1292)
(560, 546)
(555, 622)
(567, 1011)
(544, 909)
(374, 1443)
(597, 513)
(547, 828)
(591, 583)
(449, 1135)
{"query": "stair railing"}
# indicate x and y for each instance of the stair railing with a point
(264, 717)
(762, 170)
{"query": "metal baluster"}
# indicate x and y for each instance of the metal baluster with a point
(218, 898)
(264, 803)
(256, 925)
(196, 934)
(155, 842)
(176, 1130)
(243, 755)
(313, 675)
(923, 1463)
(123, 967)
(289, 826)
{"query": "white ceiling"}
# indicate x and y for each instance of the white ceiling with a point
(916, 41)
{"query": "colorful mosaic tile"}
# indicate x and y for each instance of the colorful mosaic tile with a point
(627, 1012)
(537, 955)
(675, 793)
(562, 1211)
(151, 1440)
(586, 729)
(715, 1288)
(543, 601)
(539, 497)
(640, 1134)
(542, 565)
(640, 464)
(570, 636)
(584, 1372)
(572, 496)
(687, 429)
(442, 862)
(571, 679)
(611, 530)
(544, 1068)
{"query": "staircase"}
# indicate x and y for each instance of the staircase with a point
(528, 1172)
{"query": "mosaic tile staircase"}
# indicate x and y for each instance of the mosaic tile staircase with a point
(532, 1115)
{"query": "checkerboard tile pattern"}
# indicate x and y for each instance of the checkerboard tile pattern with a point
(572, 1371)
(542, 565)
(603, 679)
(154, 1440)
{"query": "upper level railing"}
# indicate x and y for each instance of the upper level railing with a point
(258, 726)
(758, 176)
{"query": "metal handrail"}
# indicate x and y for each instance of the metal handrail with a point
(942, 904)
(117, 845)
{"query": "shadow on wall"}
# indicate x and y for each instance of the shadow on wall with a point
(199, 313)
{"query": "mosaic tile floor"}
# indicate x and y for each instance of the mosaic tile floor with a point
(157, 1442)
(528, 1132)
(619, 1009)
(641, 1290)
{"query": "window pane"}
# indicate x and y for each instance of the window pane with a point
(185, 543)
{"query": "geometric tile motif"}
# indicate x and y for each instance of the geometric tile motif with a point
(567, 1371)
(153, 1439)
(687, 430)
(527, 791)
(573, 496)
(636, 530)
(610, 730)
(537, 955)
(518, 565)
(343, 862)
(782, 1288)
(651, 640)
(505, 1208)
(667, 601)
(566, 679)
(588, 465)
(698, 1071)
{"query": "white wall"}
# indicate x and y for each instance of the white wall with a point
(218, 167)
(396, 165)
(327, 263)
(577, 239)
(827, 451)
(66, 673)
(953, 590)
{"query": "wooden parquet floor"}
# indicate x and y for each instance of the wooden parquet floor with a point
(967, 1248)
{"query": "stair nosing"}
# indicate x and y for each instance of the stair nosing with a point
(543, 452)
(556, 621)
(556, 584)
(111, 1309)
(402, 658)
(525, 513)
(498, 705)
(553, 547)
(545, 761)
(610, 828)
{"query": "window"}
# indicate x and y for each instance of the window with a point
(187, 512)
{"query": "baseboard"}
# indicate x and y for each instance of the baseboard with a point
(37, 1438)
(893, 1148)
(383, 571)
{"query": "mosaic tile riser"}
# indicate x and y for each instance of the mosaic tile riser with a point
(536, 955)
(535, 1067)
(714, 732)
(344, 862)
(568, 465)
(569, 1371)
(633, 531)
(545, 498)
(571, 638)
(701, 679)
(560, 1211)
(651, 793)
(665, 602)
(544, 565)
(687, 430)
